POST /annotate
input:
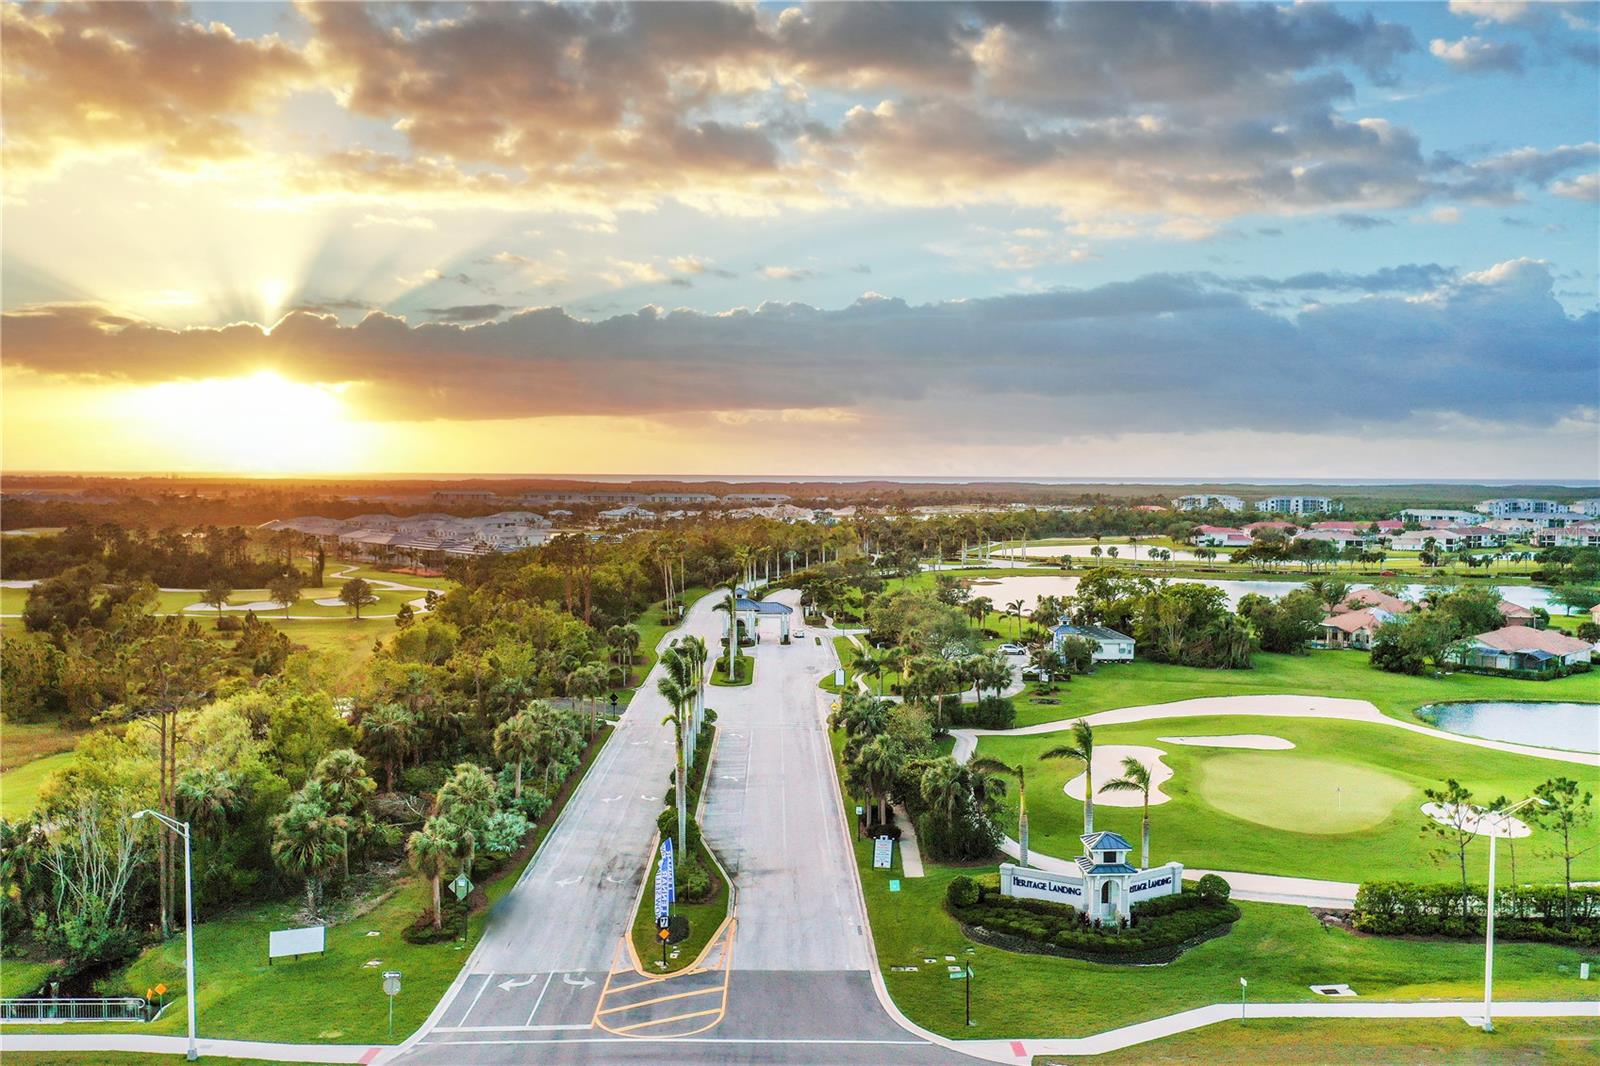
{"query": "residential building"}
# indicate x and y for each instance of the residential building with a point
(1416, 540)
(466, 496)
(1440, 516)
(1588, 507)
(429, 536)
(1110, 646)
(1221, 537)
(1382, 527)
(1583, 535)
(627, 514)
(1206, 501)
(1351, 629)
(1514, 614)
(756, 497)
(1287, 528)
(1512, 506)
(1299, 505)
(1333, 536)
(1363, 598)
(681, 497)
(1511, 527)
(1523, 650)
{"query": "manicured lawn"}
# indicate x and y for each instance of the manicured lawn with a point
(704, 920)
(116, 1058)
(1299, 812)
(1320, 673)
(19, 977)
(1379, 1042)
(19, 788)
(241, 997)
(744, 672)
(12, 601)
(1281, 950)
(846, 651)
(335, 574)
(388, 602)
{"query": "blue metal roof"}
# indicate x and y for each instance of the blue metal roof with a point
(762, 606)
(1105, 840)
(1092, 632)
(1090, 867)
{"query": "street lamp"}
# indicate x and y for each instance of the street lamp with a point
(188, 918)
(1243, 984)
(1488, 932)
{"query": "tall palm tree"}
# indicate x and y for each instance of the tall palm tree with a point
(1014, 610)
(388, 732)
(676, 695)
(467, 800)
(518, 740)
(1081, 749)
(587, 683)
(875, 767)
(307, 839)
(429, 850)
(978, 609)
(1135, 778)
(992, 765)
(730, 605)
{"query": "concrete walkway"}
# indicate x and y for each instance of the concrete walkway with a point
(177, 1045)
(910, 853)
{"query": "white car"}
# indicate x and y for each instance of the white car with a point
(1013, 649)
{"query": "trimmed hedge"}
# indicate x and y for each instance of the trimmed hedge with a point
(991, 712)
(1540, 912)
(1160, 930)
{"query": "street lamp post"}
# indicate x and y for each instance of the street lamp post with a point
(182, 828)
(1489, 908)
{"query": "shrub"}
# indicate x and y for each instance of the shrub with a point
(422, 779)
(422, 931)
(991, 712)
(963, 891)
(694, 882)
(229, 624)
(1539, 912)
(1213, 889)
(883, 829)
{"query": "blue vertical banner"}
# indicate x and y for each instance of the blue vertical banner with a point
(666, 881)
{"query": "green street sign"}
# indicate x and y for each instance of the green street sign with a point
(462, 886)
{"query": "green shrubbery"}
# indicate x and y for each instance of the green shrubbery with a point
(1160, 929)
(991, 712)
(1545, 913)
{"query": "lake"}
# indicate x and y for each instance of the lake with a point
(1569, 726)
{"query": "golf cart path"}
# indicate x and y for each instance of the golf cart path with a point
(1260, 888)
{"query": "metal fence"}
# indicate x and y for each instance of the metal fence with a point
(117, 1009)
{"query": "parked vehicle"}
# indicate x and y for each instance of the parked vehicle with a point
(1013, 649)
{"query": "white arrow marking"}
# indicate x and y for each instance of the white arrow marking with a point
(569, 881)
(729, 777)
(506, 986)
(642, 796)
(566, 979)
(610, 799)
(614, 880)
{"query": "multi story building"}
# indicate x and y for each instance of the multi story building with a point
(1205, 501)
(1299, 505)
(1440, 516)
(1517, 506)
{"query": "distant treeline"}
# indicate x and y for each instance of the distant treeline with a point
(169, 558)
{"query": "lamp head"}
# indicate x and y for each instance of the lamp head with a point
(139, 814)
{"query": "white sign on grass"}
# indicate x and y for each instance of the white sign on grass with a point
(1039, 884)
(882, 853)
(307, 941)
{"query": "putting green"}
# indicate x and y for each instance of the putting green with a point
(1303, 794)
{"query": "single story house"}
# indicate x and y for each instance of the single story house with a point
(1221, 537)
(1594, 613)
(1110, 646)
(1362, 598)
(1270, 523)
(1340, 537)
(1516, 615)
(1521, 649)
(1415, 540)
(1351, 629)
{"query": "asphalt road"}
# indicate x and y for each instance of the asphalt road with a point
(790, 982)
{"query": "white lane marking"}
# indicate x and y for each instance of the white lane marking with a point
(568, 881)
(488, 978)
(587, 982)
(509, 983)
(542, 991)
(504, 1029)
(610, 799)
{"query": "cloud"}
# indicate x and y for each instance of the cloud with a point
(1188, 353)
(416, 222)
(1584, 187)
(1359, 222)
(466, 312)
(1477, 55)
(787, 273)
(621, 272)
(1445, 216)
(98, 80)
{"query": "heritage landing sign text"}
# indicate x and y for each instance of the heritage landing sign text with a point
(1039, 884)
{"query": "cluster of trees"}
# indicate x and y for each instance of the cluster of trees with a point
(171, 557)
(1438, 632)
(890, 756)
(1176, 622)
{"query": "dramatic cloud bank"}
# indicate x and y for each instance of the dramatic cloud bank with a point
(1174, 353)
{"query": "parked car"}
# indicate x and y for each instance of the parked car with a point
(1013, 649)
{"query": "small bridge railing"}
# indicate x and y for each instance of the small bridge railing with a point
(110, 1009)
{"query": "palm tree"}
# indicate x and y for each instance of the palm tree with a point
(389, 732)
(518, 739)
(1014, 610)
(345, 784)
(429, 850)
(876, 767)
(1135, 778)
(730, 605)
(588, 682)
(1082, 749)
(1020, 772)
(467, 801)
(207, 797)
(307, 839)
(677, 696)
(978, 609)
(871, 662)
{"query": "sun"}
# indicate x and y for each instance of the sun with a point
(262, 423)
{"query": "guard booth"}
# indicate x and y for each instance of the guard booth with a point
(752, 612)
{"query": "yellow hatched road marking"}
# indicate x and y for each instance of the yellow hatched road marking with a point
(662, 999)
(664, 1021)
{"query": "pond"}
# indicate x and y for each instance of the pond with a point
(1569, 726)
(1029, 587)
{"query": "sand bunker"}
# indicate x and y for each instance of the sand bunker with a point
(1474, 820)
(258, 605)
(1259, 741)
(330, 601)
(1108, 766)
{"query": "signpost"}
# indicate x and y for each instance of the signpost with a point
(883, 853)
(462, 886)
(307, 941)
(666, 895)
(391, 988)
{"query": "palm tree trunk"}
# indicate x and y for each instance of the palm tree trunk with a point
(438, 911)
(1088, 798)
(1144, 835)
(517, 791)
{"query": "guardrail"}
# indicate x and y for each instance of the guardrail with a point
(111, 1009)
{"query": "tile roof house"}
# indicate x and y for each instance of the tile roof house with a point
(1515, 614)
(1271, 523)
(1221, 537)
(1351, 629)
(1376, 598)
(1521, 649)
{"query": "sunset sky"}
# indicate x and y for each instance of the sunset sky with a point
(1013, 240)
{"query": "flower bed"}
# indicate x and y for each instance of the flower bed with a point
(1160, 930)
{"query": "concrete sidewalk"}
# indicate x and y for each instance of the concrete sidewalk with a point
(178, 1045)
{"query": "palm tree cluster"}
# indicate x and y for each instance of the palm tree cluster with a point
(328, 817)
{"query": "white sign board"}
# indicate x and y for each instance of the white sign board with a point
(838, 677)
(882, 853)
(307, 941)
(1039, 884)
(1158, 881)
